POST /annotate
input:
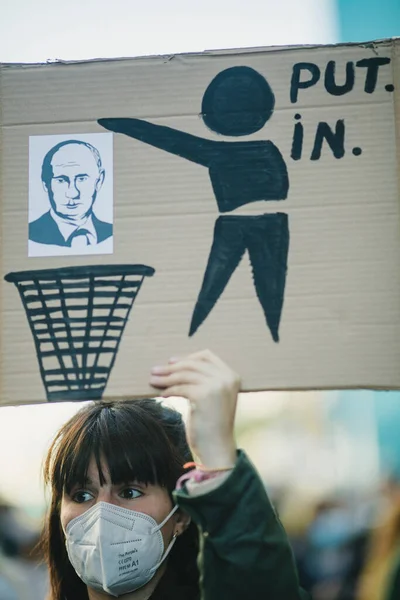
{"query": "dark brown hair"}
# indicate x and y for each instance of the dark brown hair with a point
(139, 439)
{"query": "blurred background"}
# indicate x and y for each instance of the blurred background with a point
(330, 461)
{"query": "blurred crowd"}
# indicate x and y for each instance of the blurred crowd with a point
(345, 549)
(22, 573)
(350, 547)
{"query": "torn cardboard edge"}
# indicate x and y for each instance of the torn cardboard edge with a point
(209, 53)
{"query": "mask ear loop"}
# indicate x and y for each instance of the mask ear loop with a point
(161, 525)
(168, 550)
(172, 542)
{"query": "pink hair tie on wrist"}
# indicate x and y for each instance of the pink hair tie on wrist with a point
(199, 473)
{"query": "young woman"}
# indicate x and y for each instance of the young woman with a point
(127, 519)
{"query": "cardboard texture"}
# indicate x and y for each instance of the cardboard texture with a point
(244, 201)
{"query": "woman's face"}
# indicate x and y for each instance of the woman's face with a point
(153, 500)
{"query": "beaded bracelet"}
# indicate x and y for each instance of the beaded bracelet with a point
(200, 473)
(199, 467)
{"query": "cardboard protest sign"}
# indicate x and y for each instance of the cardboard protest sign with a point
(246, 201)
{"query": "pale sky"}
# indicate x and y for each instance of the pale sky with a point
(46, 30)
(83, 29)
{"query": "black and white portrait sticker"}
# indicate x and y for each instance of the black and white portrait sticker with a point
(70, 194)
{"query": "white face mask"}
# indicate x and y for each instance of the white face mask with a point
(116, 550)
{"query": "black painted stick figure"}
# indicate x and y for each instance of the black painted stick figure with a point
(238, 102)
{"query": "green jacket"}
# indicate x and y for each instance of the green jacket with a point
(244, 551)
(393, 587)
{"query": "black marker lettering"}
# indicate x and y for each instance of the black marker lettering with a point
(330, 80)
(372, 65)
(297, 85)
(334, 139)
(298, 136)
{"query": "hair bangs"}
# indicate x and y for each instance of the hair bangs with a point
(131, 449)
(75, 448)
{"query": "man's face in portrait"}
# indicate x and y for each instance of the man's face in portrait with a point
(75, 182)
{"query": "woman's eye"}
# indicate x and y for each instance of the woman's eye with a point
(82, 496)
(130, 493)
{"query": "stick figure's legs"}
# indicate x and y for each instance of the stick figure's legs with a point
(226, 252)
(266, 237)
(267, 240)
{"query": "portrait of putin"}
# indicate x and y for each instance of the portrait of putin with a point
(72, 176)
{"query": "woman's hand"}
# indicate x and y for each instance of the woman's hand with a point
(212, 389)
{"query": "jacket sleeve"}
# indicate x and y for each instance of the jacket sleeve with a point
(393, 586)
(244, 551)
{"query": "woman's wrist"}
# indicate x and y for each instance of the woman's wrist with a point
(212, 458)
(200, 472)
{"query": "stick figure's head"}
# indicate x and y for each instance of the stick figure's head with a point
(238, 101)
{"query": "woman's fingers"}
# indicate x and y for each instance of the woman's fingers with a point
(183, 391)
(165, 379)
(184, 365)
(211, 388)
(174, 359)
(198, 368)
(197, 358)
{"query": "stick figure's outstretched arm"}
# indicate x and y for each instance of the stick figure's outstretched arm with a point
(183, 144)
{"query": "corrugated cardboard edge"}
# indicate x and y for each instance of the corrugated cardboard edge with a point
(1, 231)
(396, 106)
(210, 53)
(156, 394)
